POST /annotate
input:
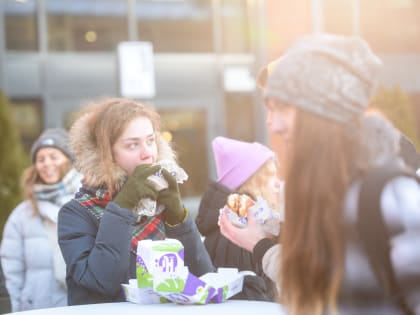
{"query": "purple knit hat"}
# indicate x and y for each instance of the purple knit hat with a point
(236, 161)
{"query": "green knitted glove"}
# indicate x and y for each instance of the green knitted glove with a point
(137, 187)
(171, 199)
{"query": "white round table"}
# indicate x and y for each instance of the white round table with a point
(128, 308)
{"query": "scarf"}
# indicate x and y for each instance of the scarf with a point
(57, 195)
(95, 201)
(61, 192)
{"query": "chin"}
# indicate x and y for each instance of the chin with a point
(50, 181)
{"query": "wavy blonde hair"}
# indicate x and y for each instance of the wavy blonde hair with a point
(255, 185)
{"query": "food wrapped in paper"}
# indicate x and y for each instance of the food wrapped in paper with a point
(174, 169)
(237, 206)
(147, 206)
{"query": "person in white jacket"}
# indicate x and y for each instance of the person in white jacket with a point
(33, 266)
(316, 96)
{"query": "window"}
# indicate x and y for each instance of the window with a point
(175, 26)
(240, 118)
(21, 26)
(235, 28)
(391, 26)
(187, 130)
(28, 118)
(80, 25)
(338, 16)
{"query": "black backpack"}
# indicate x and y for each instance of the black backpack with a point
(373, 232)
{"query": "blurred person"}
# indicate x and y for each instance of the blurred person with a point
(374, 126)
(33, 265)
(409, 153)
(326, 262)
(244, 168)
(379, 141)
(5, 306)
(117, 144)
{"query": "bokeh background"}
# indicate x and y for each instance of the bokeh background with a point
(56, 55)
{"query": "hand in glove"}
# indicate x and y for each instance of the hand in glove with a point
(171, 199)
(137, 187)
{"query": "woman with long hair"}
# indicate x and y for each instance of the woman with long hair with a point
(316, 95)
(33, 265)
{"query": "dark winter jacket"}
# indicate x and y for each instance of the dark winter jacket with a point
(223, 252)
(98, 256)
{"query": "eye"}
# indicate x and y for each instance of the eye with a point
(133, 145)
(151, 140)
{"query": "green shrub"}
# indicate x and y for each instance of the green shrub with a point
(398, 108)
(12, 162)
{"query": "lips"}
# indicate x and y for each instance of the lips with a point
(49, 175)
(149, 160)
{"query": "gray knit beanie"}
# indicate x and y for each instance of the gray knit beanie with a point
(56, 138)
(330, 75)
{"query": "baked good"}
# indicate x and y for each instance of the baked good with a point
(239, 203)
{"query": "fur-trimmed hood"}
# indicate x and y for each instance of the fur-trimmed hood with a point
(88, 160)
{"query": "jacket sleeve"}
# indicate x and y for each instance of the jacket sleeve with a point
(400, 203)
(267, 253)
(196, 257)
(97, 258)
(271, 263)
(13, 260)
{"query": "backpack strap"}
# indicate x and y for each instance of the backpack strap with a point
(373, 232)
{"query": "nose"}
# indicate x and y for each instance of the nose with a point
(146, 152)
(277, 182)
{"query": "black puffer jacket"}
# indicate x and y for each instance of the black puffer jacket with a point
(224, 253)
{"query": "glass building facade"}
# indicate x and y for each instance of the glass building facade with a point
(59, 54)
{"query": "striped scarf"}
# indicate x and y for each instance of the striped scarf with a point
(60, 192)
(95, 201)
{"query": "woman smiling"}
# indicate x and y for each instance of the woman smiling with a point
(33, 265)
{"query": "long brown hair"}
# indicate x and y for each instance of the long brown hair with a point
(318, 175)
